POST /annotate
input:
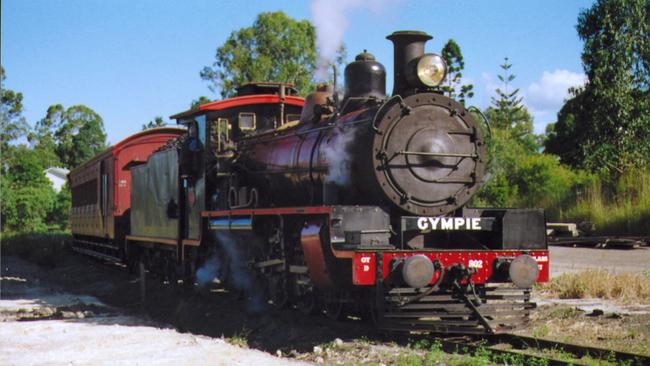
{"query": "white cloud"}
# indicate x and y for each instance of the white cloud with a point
(550, 91)
(545, 97)
(490, 86)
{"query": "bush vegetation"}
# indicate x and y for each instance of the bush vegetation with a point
(43, 249)
(615, 207)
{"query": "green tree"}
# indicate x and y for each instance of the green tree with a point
(499, 189)
(156, 122)
(201, 100)
(8, 212)
(565, 138)
(33, 203)
(509, 114)
(605, 126)
(455, 65)
(42, 139)
(12, 124)
(27, 195)
(512, 139)
(26, 167)
(543, 182)
(60, 213)
(275, 48)
(508, 101)
(75, 134)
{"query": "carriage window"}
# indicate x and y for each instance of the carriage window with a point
(246, 121)
(84, 193)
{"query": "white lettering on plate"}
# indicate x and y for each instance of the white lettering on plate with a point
(422, 223)
(449, 223)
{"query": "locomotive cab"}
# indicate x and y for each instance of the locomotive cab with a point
(258, 109)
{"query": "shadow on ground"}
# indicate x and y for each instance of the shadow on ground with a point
(211, 312)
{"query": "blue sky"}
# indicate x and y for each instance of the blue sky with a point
(133, 60)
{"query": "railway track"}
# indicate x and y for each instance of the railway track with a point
(511, 348)
(613, 242)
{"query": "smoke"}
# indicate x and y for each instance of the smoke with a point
(339, 158)
(209, 271)
(330, 19)
(230, 266)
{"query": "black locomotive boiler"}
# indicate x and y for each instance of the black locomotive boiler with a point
(343, 203)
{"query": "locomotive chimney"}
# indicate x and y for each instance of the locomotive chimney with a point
(408, 46)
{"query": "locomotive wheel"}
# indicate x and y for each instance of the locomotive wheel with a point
(133, 259)
(278, 292)
(370, 312)
(307, 303)
(333, 305)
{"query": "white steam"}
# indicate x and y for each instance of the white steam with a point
(330, 19)
(230, 266)
(339, 158)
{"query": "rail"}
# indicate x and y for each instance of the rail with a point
(613, 242)
(530, 350)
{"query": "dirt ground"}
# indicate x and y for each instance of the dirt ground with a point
(55, 317)
(85, 312)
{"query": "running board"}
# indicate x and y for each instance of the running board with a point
(90, 253)
(95, 254)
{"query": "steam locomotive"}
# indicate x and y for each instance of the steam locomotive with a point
(338, 203)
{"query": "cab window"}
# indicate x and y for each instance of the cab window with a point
(247, 121)
(221, 133)
(196, 128)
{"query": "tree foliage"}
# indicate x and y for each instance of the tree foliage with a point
(64, 137)
(60, 212)
(156, 122)
(275, 48)
(605, 126)
(12, 124)
(507, 113)
(201, 100)
(518, 176)
(27, 195)
(454, 87)
(508, 102)
(74, 135)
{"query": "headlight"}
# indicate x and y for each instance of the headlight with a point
(431, 69)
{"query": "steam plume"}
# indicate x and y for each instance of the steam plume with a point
(229, 265)
(330, 19)
(339, 159)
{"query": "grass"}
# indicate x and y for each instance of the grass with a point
(46, 249)
(624, 287)
(240, 339)
(620, 208)
(436, 356)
